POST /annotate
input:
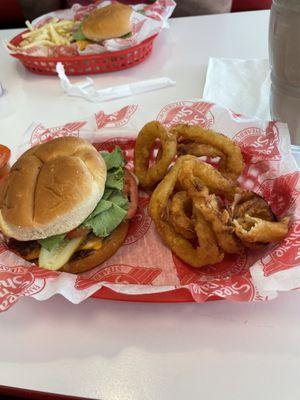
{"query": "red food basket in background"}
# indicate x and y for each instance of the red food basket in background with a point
(87, 64)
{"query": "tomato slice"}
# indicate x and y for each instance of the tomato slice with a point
(4, 155)
(77, 232)
(131, 189)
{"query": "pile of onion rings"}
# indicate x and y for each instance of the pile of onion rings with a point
(199, 210)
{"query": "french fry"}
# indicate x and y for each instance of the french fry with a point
(53, 33)
(38, 43)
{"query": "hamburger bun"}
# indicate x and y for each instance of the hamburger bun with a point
(108, 22)
(51, 189)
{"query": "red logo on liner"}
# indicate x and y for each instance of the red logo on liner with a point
(231, 265)
(42, 134)
(238, 288)
(281, 193)
(82, 11)
(158, 7)
(119, 274)
(285, 254)
(118, 118)
(225, 279)
(187, 112)
(18, 281)
(257, 144)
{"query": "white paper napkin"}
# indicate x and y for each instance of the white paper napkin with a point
(241, 85)
(86, 89)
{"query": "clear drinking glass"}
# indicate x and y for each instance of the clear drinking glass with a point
(284, 55)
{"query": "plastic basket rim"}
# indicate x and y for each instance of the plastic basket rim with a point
(83, 57)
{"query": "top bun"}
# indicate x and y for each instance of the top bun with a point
(51, 189)
(108, 22)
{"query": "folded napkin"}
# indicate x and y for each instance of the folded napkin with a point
(241, 85)
(86, 89)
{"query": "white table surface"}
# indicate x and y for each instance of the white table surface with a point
(116, 350)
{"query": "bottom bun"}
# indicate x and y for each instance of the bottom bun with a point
(95, 258)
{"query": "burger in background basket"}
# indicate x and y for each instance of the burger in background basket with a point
(112, 21)
(67, 207)
(109, 22)
(102, 37)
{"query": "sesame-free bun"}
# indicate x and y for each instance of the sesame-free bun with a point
(51, 189)
(108, 22)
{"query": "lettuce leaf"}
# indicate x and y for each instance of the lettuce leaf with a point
(78, 35)
(109, 217)
(127, 35)
(111, 209)
(119, 199)
(109, 213)
(114, 159)
(115, 169)
(107, 193)
(115, 179)
(51, 241)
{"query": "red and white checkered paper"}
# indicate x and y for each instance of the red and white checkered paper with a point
(146, 20)
(144, 264)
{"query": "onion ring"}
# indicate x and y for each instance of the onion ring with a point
(208, 251)
(180, 207)
(226, 224)
(233, 165)
(254, 222)
(195, 171)
(252, 230)
(199, 150)
(220, 221)
(149, 176)
(250, 203)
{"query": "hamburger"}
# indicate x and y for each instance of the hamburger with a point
(65, 206)
(109, 22)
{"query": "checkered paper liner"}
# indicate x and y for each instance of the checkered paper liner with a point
(144, 264)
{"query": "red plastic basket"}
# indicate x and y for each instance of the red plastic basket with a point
(87, 64)
(179, 295)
